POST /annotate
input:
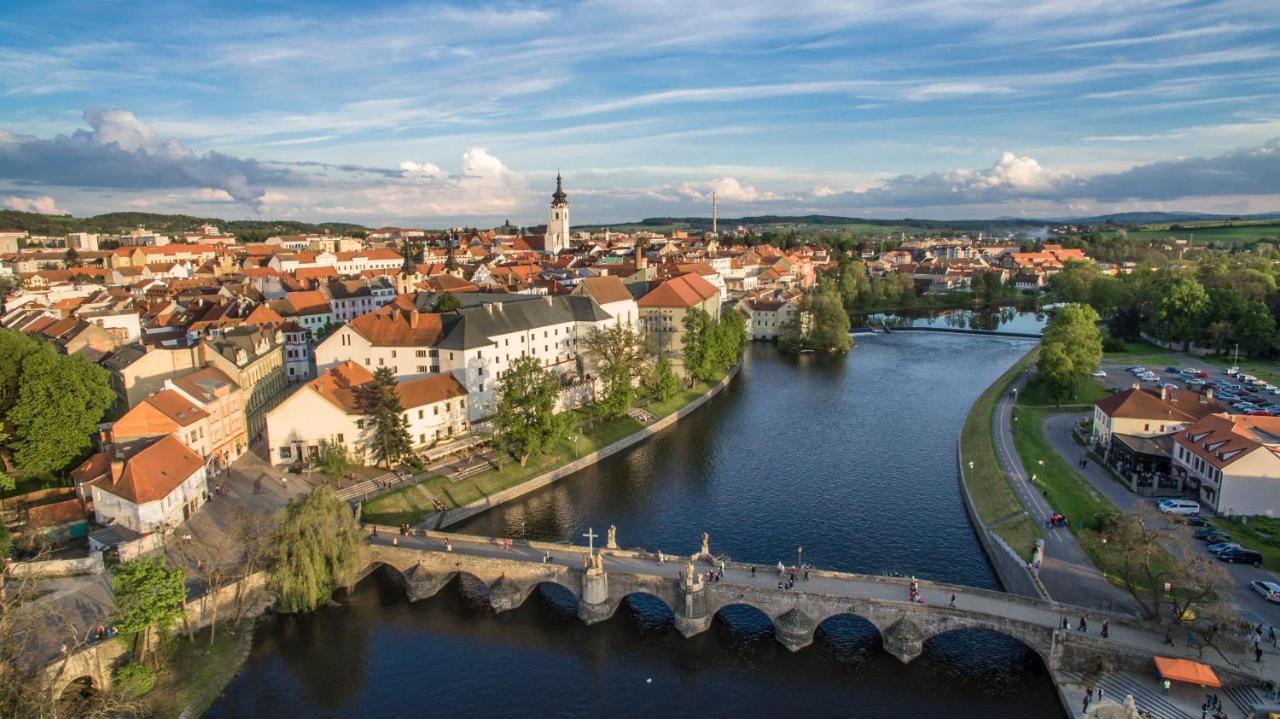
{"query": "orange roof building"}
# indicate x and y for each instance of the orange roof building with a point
(149, 486)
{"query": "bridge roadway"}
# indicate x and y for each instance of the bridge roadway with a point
(600, 586)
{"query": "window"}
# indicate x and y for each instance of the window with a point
(380, 361)
(435, 411)
(422, 368)
(286, 452)
(420, 353)
(421, 412)
(393, 354)
(341, 439)
(359, 424)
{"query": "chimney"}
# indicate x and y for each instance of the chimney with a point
(641, 261)
(1166, 395)
(1207, 396)
(413, 318)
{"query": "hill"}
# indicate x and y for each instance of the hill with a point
(118, 222)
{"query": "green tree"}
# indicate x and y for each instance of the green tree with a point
(447, 302)
(619, 355)
(61, 399)
(697, 343)
(830, 324)
(663, 382)
(526, 422)
(149, 596)
(334, 459)
(384, 417)
(729, 340)
(1071, 348)
(1256, 330)
(319, 548)
(1178, 309)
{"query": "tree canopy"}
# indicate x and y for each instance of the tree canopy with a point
(389, 440)
(526, 422)
(318, 549)
(149, 596)
(1070, 349)
(619, 355)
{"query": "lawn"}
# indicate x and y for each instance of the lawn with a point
(993, 498)
(1242, 233)
(410, 504)
(195, 673)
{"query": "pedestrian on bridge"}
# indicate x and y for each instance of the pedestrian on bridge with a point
(953, 600)
(1106, 628)
(1083, 626)
(448, 546)
(781, 569)
(1066, 623)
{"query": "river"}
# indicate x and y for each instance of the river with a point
(853, 458)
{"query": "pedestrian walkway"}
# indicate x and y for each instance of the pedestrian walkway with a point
(1066, 571)
(1184, 701)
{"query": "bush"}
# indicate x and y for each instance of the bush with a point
(1113, 344)
(134, 680)
(415, 463)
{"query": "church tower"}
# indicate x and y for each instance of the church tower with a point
(557, 238)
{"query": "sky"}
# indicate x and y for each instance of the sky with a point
(438, 114)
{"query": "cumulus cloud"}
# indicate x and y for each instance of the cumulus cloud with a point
(483, 186)
(119, 151)
(727, 189)
(43, 204)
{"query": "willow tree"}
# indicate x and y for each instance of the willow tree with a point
(319, 548)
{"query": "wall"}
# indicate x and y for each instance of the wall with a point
(91, 564)
(452, 517)
(1010, 569)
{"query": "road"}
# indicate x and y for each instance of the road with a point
(1057, 430)
(1066, 571)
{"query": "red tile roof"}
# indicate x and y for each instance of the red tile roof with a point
(683, 291)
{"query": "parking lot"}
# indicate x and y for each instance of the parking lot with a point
(1238, 393)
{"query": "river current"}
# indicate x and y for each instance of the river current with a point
(852, 459)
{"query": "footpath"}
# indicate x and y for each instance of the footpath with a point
(1066, 571)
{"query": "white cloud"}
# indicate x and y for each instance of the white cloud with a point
(727, 189)
(43, 204)
(212, 194)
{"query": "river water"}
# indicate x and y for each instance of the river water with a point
(853, 458)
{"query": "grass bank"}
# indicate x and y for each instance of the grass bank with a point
(195, 672)
(1259, 533)
(410, 504)
(993, 498)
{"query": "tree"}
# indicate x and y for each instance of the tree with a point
(447, 302)
(830, 324)
(334, 459)
(697, 328)
(319, 548)
(1056, 372)
(526, 422)
(729, 340)
(389, 430)
(1071, 348)
(149, 597)
(619, 356)
(1256, 330)
(70, 258)
(662, 381)
(60, 401)
(1178, 309)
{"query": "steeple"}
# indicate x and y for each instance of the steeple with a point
(558, 198)
(450, 263)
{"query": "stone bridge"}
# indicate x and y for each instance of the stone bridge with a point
(602, 580)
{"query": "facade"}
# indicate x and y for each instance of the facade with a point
(351, 298)
(165, 412)
(1138, 412)
(768, 319)
(1232, 462)
(254, 360)
(222, 400)
(149, 488)
(557, 236)
(328, 408)
(663, 308)
(311, 310)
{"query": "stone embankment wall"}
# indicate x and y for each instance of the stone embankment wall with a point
(1012, 570)
(91, 564)
(442, 520)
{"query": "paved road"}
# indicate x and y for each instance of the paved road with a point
(1057, 430)
(996, 605)
(1066, 571)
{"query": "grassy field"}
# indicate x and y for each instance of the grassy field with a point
(410, 504)
(1220, 233)
(195, 673)
(993, 498)
(1261, 534)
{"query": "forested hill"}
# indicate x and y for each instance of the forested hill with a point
(117, 222)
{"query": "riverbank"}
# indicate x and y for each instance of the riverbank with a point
(466, 498)
(992, 503)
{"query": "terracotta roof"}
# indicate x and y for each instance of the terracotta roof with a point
(1221, 439)
(338, 385)
(391, 326)
(201, 383)
(429, 390)
(311, 302)
(176, 407)
(153, 472)
(1137, 403)
(263, 315)
(683, 291)
(605, 289)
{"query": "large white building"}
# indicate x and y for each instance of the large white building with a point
(475, 344)
(150, 488)
(328, 408)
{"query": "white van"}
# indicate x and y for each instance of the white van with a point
(1178, 506)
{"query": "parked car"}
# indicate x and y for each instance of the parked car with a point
(1201, 374)
(1215, 537)
(1136, 370)
(1195, 520)
(1220, 547)
(1193, 382)
(1270, 591)
(1204, 532)
(1259, 413)
(1242, 556)
(1099, 373)
(1172, 370)
(1178, 506)
(1231, 370)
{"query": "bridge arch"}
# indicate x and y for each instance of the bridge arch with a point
(558, 597)
(744, 625)
(948, 646)
(647, 611)
(848, 638)
(78, 690)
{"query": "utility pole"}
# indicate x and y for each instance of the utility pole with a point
(713, 212)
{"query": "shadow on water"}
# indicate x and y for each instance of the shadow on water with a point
(805, 450)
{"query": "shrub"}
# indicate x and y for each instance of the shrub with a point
(1113, 344)
(135, 679)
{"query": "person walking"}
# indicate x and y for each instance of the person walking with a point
(1065, 623)
(1083, 626)
(753, 571)
(1165, 687)
(1257, 654)
(952, 605)
(1106, 628)
(1271, 635)
(1087, 695)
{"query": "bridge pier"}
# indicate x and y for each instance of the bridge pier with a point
(595, 606)
(904, 640)
(504, 595)
(794, 630)
(691, 612)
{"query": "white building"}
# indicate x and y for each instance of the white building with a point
(151, 488)
(1235, 462)
(351, 298)
(768, 318)
(328, 408)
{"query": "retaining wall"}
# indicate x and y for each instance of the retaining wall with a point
(1011, 569)
(440, 520)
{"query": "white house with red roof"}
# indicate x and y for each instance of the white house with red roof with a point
(1233, 461)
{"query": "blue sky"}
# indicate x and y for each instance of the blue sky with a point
(439, 113)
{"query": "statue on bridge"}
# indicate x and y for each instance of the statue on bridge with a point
(613, 538)
(689, 575)
(706, 545)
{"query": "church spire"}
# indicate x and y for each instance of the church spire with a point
(558, 198)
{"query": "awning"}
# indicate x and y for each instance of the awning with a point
(1185, 670)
